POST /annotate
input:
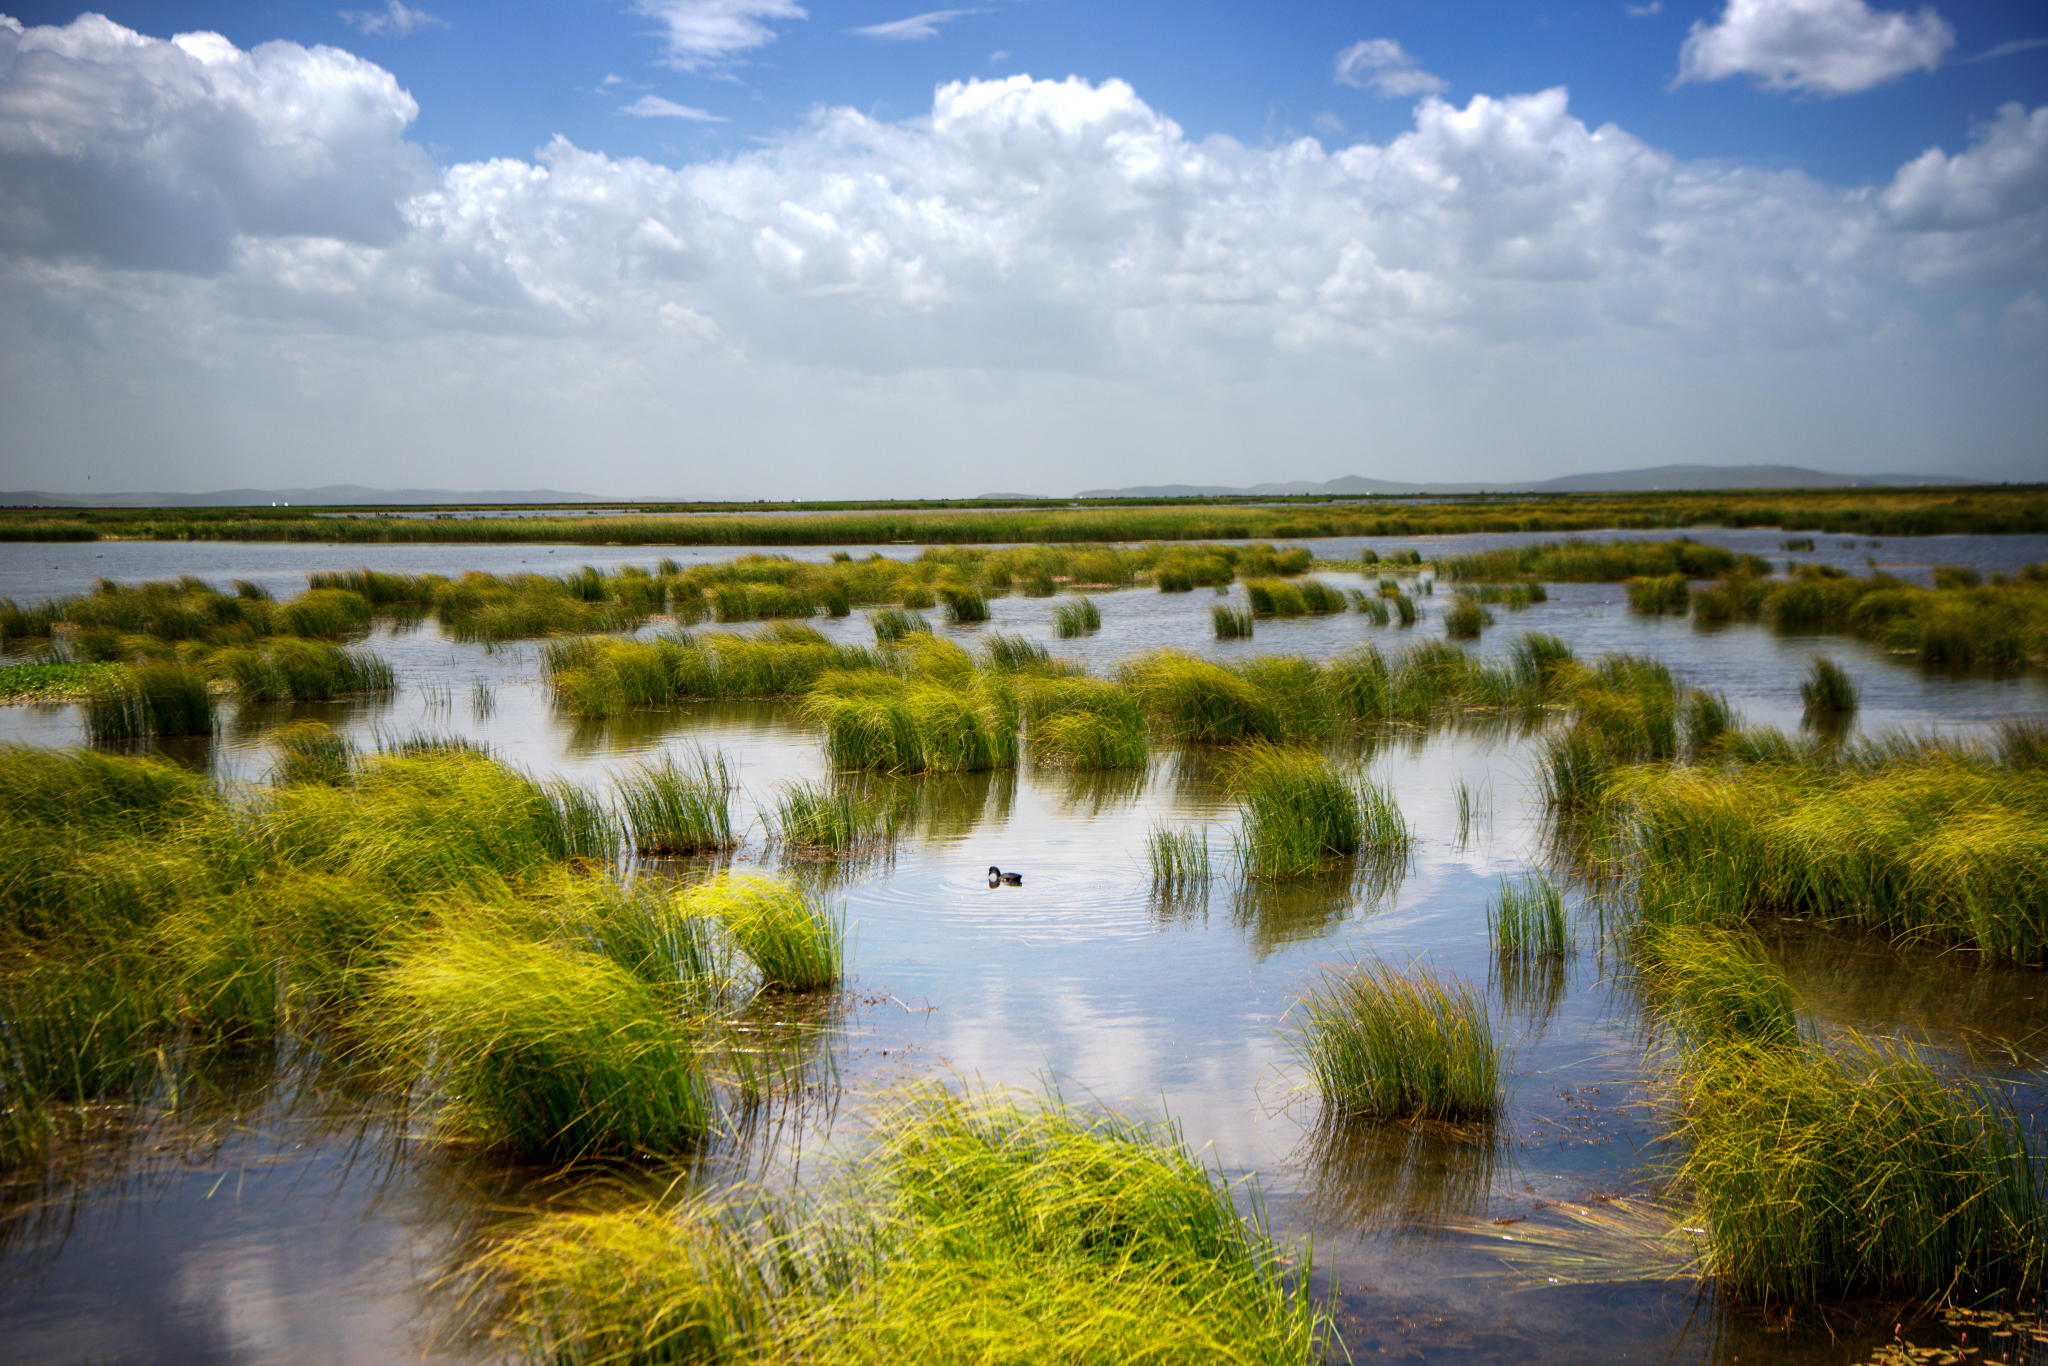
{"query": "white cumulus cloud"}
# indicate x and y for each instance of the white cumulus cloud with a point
(1381, 66)
(704, 33)
(1821, 47)
(182, 218)
(136, 152)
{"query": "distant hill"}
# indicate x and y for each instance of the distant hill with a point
(332, 495)
(1702, 477)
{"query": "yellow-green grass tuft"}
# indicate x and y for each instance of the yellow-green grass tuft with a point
(1857, 1171)
(1382, 1042)
(542, 1049)
(798, 944)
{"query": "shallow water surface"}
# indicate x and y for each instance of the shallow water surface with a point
(286, 1216)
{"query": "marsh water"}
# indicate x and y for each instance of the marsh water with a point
(284, 1215)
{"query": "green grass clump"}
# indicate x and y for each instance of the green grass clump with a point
(893, 623)
(1827, 689)
(798, 944)
(150, 700)
(1712, 985)
(1301, 812)
(964, 604)
(1274, 598)
(1935, 845)
(596, 676)
(1084, 723)
(1665, 595)
(322, 612)
(1529, 918)
(1201, 702)
(542, 1049)
(962, 723)
(1589, 562)
(1231, 623)
(672, 808)
(310, 752)
(1857, 1171)
(1466, 618)
(1371, 605)
(1404, 609)
(816, 819)
(985, 1229)
(288, 670)
(1180, 858)
(1383, 1043)
(1009, 652)
(1076, 616)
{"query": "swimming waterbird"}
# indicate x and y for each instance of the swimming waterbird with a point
(996, 875)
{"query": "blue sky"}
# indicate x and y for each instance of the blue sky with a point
(763, 248)
(501, 79)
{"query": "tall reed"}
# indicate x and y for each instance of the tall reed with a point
(1712, 985)
(964, 604)
(1076, 616)
(673, 808)
(915, 725)
(986, 1229)
(1301, 812)
(816, 818)
(1529, 918)
(1827, 690)
(151, 699)
(1231, 623)
(893, 623)
(1466, 618)
(311, 752)
(1180, 858)
(1383, 1042)
(1858, 1171)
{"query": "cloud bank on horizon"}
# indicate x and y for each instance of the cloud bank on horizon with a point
(221, 265)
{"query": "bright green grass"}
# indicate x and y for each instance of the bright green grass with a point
(1827, 689)
(1180, 858)
(1075, 617)
(678, 807)
(1301, 813)
(1529, 918)
(798, 944)
(148, 700)
(1711, 985)
(983, 1229)
(1383, 1042)
(543, 1049)
(1857, 1171)
(53, 682)
(815, 818)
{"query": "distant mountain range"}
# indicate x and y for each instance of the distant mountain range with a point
(333, 495)
(1616, 481)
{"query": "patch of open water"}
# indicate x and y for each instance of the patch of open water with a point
(267, 1227)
